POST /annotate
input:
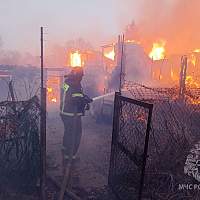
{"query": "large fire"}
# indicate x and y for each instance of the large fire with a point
(196, 51)
(158, 51)
(75, 59)
(110, 54)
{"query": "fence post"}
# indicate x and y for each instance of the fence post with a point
(145, 151)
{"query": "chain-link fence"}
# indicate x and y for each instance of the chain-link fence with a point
(130, 128)
(19, 142)
(172, 168)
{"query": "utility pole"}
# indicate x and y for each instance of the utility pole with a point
(42, 125)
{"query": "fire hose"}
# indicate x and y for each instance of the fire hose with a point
(102, 96)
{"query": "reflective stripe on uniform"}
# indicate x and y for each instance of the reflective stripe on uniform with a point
(65, 87)
(71, 114)
(63, 102)
(77, 95)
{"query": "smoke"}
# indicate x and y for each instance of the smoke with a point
(13, 57)
(1, 42)
(58, 55)
(55, 55)
(176, 21)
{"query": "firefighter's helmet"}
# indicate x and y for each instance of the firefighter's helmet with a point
(75, 74)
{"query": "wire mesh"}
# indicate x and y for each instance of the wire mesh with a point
(19, 142)
(129, 131)
(173, 154)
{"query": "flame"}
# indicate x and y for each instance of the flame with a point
(50, 95)
(191, 82)
(193, 59)
(110, 54)
(196, 51)
(54, 100)
(133, 41)
(158, 51)
(52, 89)
(49, 90)
(75, 59)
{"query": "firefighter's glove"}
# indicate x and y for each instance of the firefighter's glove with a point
(87, 99)
(87, 106)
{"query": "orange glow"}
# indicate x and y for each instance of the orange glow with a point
(191, 82)
(196, 51)
(172, 74)
(50, 94)
(52, 89)
(132, 41)
(49, 90)
(195, 101)
(158, 51)
(110, 54)
(54, 100)
(75, 59)
(193, 59)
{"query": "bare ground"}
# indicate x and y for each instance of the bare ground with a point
(90, 176)
(91, 171)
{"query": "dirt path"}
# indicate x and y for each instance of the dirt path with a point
(91, 173)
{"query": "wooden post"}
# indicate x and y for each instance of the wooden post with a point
(183, 75)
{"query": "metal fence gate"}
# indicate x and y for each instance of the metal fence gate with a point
(172, 165)
(131, 129)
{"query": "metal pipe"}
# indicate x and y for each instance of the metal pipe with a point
(42, 126)
(121, 64)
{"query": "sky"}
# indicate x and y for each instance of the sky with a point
(97, 21)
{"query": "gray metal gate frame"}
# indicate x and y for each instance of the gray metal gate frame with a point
(115, 142)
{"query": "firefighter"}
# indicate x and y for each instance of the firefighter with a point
(72, 107)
